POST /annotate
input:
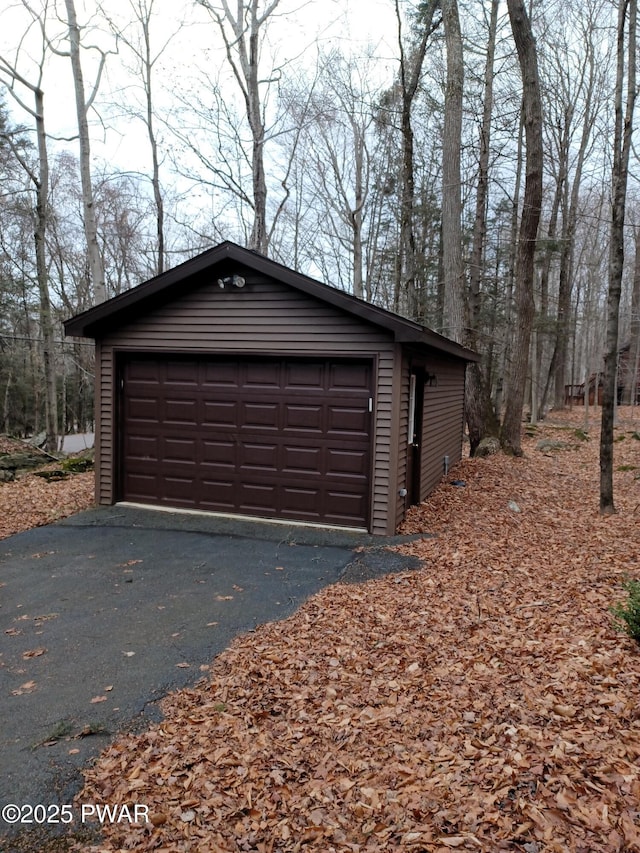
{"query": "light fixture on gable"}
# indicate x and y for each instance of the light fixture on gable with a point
(235, 280)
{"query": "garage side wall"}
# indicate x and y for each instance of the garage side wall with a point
(402, 502)
(443, 420)
(264, 317)
(105, 397)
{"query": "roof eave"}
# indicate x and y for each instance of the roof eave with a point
(85, 325)
(426, 337)
(91, 323)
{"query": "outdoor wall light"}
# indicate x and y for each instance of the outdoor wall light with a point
(235, 280)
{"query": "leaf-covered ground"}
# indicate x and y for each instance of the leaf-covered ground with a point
(31, 501)
(482, 703)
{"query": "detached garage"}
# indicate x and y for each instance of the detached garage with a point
(233, 384)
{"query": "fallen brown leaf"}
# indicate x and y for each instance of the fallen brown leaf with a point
(34, 653)
(27, 687)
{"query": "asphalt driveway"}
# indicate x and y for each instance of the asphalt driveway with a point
(104, 613)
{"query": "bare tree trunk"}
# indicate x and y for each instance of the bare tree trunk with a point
(40, 179)
(82, 109)
(242, 37)
(535, 360)
(627, 15)
(5, 403)
(46, 319)
(256, 123)
(559, 199)
(451, 186)
(630, 377)
(356, 216)
(532, 108)
(147, 62)
(143, 12)
(410, 69)
(479, 412)
(504, 377)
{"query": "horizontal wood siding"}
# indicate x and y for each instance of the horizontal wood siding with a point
(403, 437)
(104, 425)
(262, 317)
(443, 420)
(386, 441)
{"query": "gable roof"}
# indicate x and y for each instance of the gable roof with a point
(100, 319)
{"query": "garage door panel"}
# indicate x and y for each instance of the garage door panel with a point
(345, 505)
(352, 463)
(142, 487)
(218, 495)
(179, 490)
(254, 455)
(144, 409)
(350, 376)
(280, 437)
(257, 497)
(308, 376)
(307, 418)
(181, 450)
(146, 371)
(307, 460)
(299, 502)
(220, 374)
(181, 412)
(303, 461)
(142, 447)
(219, 413)
(352, 420)
(261, 375)
(219, 452)
(262, 416)
(182, 373)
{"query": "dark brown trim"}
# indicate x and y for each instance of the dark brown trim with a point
(361, 355)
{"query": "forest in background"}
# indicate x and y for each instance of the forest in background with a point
(465, 171)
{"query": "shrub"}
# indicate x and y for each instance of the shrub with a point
(627, 614)
(77, 464)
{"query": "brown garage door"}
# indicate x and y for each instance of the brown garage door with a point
(272, 437)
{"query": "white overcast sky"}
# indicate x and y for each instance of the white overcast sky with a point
(351, 24)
